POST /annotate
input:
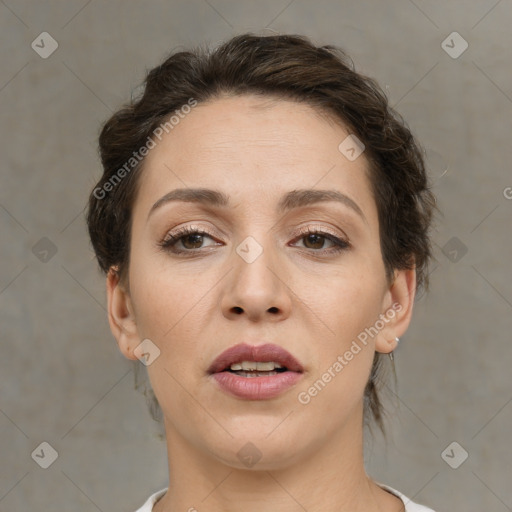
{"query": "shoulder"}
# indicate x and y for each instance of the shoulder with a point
(148, 505)
(410, 506)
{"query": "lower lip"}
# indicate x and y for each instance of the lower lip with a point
(256, 388)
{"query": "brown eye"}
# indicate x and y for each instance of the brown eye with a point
(187, 240)
(315, 240)
(193, 241)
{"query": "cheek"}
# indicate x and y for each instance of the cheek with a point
(173, 310)
(341, 372)
(155, 307)
(354, 298)
(352, 307)
(161, 296)
(332, 397)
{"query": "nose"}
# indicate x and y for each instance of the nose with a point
(256, 286)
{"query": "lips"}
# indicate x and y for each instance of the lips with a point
(259, 353)
(255, 386)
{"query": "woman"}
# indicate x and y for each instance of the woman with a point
(262, 221)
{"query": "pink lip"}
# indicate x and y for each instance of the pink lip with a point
(255, 388)
(262, 353)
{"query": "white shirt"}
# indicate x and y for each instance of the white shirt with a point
(410, 506)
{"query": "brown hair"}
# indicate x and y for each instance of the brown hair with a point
(288, 67)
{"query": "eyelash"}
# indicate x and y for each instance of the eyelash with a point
(169, 242)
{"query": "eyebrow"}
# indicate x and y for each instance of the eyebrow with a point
(291, 200)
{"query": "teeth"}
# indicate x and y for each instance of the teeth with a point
(255, 374)
(255, 365)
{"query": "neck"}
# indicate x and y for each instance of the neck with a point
(329, 477)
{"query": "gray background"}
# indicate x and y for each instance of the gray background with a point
(63, 380)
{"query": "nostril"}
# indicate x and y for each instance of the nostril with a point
(238, 310)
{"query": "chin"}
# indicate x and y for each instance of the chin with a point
(259, 456)
(253, 449)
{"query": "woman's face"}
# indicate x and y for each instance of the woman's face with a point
(257, 277)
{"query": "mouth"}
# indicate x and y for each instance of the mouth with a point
(255, 372)
(250, 360)
(249, 369)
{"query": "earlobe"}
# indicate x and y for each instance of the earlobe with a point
(398, 309)
(121, 316)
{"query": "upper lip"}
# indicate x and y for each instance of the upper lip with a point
(261, 353)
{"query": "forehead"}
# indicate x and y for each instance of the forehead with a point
(256, 146)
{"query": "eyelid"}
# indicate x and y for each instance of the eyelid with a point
(292, 232)
(173, 237)
(322, 229)
(183, 230)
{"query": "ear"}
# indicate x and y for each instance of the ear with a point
(121, 316)
(397, 310)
